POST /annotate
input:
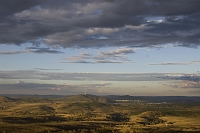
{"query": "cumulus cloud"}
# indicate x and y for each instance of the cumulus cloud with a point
(102, 23)
(113, 56)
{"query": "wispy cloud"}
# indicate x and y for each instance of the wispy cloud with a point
(176, 63)
(171, 63)
(11, 52)
(185, 77)
(113, 56)
(39, 50)
(184, 80)
(196, 61)
(118, 52)
(185, 84)
(44, 69)
(106, 61)
(32, 50)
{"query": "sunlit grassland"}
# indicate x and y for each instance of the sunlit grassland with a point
(61, 115)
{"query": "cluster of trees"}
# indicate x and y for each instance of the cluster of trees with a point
(97, 130)
(119, 117)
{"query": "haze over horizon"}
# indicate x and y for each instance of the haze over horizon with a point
(104, 47)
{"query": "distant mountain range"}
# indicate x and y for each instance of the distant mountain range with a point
(88, 98)
(105, 99)
(155, 98)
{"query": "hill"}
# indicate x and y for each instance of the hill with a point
(87, 98)
(4, 99)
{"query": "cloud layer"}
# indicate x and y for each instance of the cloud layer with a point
(40, 75)
(24, 85)
(102, 23)
(95, 83)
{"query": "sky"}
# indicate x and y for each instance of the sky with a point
(104, 47)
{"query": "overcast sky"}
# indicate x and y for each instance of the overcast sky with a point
(104, 47)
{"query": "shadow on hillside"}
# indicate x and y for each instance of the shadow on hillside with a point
(75, 127)
(29, 120)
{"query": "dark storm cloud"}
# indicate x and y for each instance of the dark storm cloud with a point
(9, 23)
(10, 7)
(102, 23)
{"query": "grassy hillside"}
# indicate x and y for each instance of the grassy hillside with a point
(4, 99)
(95, 114)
